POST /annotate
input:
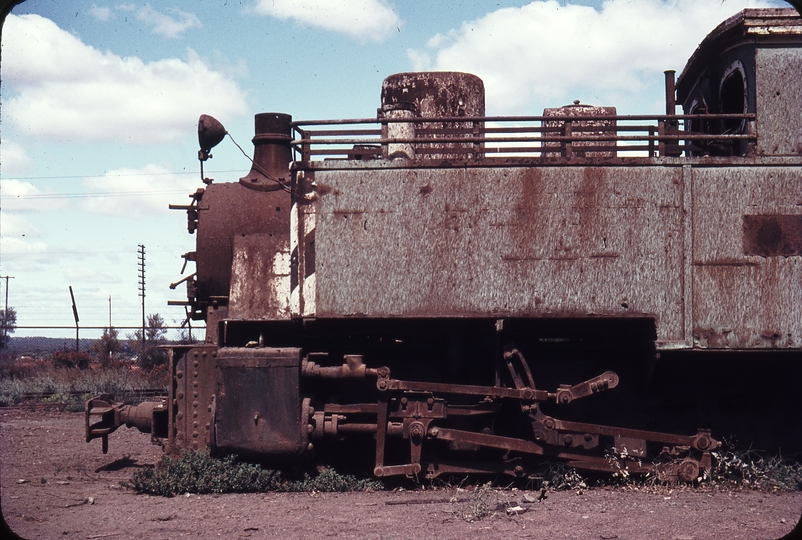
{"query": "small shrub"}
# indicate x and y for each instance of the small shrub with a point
(197, 472)
(71, 359)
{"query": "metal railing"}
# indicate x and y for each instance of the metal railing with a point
(541, 137)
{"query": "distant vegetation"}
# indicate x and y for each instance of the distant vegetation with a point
(108, 364)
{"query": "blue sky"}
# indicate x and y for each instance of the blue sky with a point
(100, 102)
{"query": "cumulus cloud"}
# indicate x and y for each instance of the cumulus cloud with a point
(14, 159)
(67, 90)
(169, 26)
(365, 20)
(136, 192)
(540, 54)
(20, 196)
(19, 237)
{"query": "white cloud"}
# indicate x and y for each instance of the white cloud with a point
(19, 196)
(100, 13)
(137, 192)
(366, 20)
(543, 53)
(15, 226)
(68, 90)
(166, 25)
(20, 237)
(13, 158)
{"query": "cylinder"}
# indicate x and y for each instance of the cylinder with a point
(438, 95)
(399, 130)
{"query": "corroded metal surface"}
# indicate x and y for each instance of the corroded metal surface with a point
(258, 406)
(508, 242)
(261, 262)
(740, 298)
(564, 127)
(432, 95)
(190, 398)
(779, 81)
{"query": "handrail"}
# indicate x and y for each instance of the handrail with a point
(479, 137)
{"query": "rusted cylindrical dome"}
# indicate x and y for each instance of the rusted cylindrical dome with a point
(436, 93)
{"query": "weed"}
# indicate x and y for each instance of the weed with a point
(482, 501)
(198, 472)
(753, 470)
(562, 477)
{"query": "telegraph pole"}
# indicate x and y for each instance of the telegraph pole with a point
(5, 313)
(142, 289)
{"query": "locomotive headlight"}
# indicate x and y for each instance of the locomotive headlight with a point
(210, 133)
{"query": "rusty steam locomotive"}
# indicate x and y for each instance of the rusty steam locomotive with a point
(416, 289)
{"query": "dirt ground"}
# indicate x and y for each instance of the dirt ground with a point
(54, 485)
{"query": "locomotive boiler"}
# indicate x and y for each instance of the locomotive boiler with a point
(438, 291)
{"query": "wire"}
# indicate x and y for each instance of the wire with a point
(85, 195)
(113, 175)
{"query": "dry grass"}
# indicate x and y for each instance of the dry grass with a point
(44, 377)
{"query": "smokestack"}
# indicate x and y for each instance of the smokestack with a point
(272, 153)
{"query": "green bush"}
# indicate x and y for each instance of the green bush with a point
(197, 472)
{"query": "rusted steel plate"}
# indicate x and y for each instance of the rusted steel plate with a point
(190, 398)
(771, 235)
(779, 88)
(261, 262)
(258, 408)
(740, 298)
(501, 242)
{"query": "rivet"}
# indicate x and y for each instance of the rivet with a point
(195, 393)
(195, 403)
(180, 415)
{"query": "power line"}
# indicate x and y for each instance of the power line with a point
(115, 175)
(98, 194)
